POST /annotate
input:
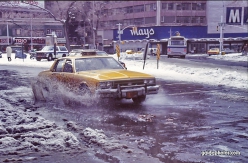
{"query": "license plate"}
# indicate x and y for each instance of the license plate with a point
(131, 94)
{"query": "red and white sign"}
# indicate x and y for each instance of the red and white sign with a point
(21, 40)
(4, 41)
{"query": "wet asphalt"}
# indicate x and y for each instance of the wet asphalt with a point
(184, 122)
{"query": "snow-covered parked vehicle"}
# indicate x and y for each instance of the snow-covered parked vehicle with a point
(48, 53)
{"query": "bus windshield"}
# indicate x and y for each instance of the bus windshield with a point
(177, 42)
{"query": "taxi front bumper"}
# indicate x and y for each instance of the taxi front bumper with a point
(128, 91)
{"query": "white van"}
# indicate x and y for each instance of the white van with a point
(152, 51)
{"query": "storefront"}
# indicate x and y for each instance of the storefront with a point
(37, 42)
(199, 40)
(4, 43)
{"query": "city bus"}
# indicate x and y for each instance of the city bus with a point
(177, 46)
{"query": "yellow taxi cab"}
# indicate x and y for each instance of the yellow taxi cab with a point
(96, 75)
(129, 52)
(213, 51)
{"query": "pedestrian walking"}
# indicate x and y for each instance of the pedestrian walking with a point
(245, 49)
(9, 51)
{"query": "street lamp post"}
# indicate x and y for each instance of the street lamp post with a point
(94, 39)
(7, 32)
(120, 31)
(31, 33)
(221, 24)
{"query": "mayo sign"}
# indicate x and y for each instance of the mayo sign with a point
(237, 15)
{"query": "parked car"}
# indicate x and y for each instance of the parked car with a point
(152, 51)
(48, 53)
(129, 52)
(227, 50)
(16, 48)
(19, 54)
(96, 76)
(213, 51)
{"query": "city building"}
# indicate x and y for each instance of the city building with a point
(199, 21)
(131, 24)
(23, 24)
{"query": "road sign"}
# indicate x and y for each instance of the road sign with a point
(158, 54)
(118, 51)
(158, 51)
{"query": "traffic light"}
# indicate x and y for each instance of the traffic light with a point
(217, 28)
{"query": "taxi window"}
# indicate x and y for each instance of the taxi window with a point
(68, 66)
(59, 65)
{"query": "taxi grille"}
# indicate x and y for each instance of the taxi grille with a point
(128, 83)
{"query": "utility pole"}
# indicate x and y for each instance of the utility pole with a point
(94, 37)
(221, 25)
(158, 12)
(31, 48)
(7, 32)
(119, 32)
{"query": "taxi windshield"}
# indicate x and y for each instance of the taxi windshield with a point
(99, 63)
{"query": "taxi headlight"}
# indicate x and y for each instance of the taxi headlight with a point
(105, 85)
(149, 81)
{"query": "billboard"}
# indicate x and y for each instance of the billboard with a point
(234, 13)
(23, 3)
(235, 16)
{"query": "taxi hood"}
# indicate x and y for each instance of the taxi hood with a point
(114, 74)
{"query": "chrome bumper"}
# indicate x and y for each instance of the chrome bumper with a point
(122, 92)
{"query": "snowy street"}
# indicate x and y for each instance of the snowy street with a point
(198, 109)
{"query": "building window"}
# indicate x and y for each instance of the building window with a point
(198, 19)
(129, 9)
(149, 20)
(110, 12)
(170, 6)
(139, 8)
(138, 21)
(198, 6)
(17, 31)
(59, 33)
(48, 31)
(164, 6)
(169, 19)
(38, 33)
(186, 6)
(127, 22)
(178, 6)
(184, 19)
(150, 7)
